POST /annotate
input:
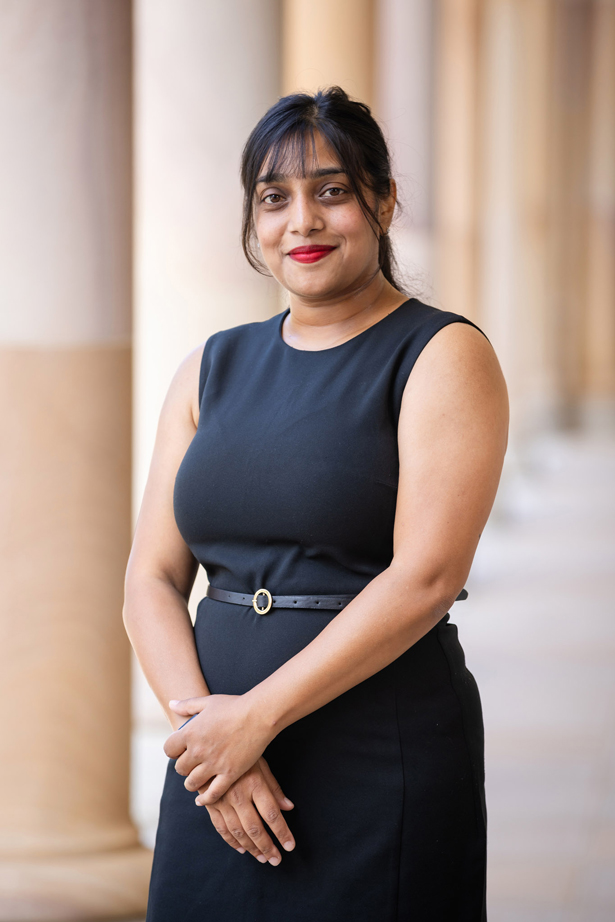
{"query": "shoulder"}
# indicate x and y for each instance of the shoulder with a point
(425, 334)
(182, 395)
(453, 341)
(252, 332)
(187, 383)
(457, 373)
(417, 321)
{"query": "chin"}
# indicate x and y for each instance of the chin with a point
(313, 287)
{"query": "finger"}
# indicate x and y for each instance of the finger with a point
(253, 825)
(275, 788)
(234, 825)
(219, 824)
(188, 706)
(218, 787)
(269, 809)
(187, 763)
(175, 745)
(198, 777)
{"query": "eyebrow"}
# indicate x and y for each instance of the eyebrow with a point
(316, 174)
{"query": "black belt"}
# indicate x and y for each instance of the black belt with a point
(268, 601)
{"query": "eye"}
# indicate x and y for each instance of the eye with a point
(268, 199)
(335, 191)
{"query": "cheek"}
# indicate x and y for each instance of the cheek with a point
(269, 233)
(351, 224)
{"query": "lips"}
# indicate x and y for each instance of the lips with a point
(310, 254)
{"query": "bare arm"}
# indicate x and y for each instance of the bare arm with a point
(452, 440)
(161, 569)
(160, 574)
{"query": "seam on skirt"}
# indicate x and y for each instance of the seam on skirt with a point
(403, 803)
(480, 815)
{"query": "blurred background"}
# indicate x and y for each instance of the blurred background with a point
(122, 128)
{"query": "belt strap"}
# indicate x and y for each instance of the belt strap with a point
(262, 601)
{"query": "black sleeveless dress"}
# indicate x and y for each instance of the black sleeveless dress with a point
(290, 484)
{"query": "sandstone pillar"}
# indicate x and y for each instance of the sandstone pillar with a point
(68, 849)
(533, 315)
(455, 154)
(516, 153)
(403, 103)
(599, 376)
(328, 42)
(572, 37)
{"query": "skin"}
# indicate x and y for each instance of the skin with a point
(452, 439)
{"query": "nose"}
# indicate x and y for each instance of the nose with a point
(304, 215)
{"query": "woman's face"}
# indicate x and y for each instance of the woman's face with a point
(313, 236)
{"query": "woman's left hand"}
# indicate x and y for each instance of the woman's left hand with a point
(224, 740)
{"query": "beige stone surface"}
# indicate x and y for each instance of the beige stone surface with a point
(539, 635)
(64, 681)
(403, 105)
(600, 329)
(328, 42)
(65, 222)
(455, 154)
(84, 888)
(68, 848)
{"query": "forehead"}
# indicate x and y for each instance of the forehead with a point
(303, 156)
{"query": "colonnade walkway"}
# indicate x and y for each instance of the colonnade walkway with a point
(538, 629)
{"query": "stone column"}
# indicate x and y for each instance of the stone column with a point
(455, 153)
(403, 103)
(68, 849)
(532, 315)
(599, 377)
(498, 210)
(515, 160)
(328, 42)
(570, 171)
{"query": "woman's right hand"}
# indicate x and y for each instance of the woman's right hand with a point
(238, 815)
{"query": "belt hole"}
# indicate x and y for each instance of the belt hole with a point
(294, 601)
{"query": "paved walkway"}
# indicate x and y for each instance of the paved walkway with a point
(539, 634)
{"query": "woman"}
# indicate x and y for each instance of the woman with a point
(332, 468)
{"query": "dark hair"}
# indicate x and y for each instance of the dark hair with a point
(280, 139)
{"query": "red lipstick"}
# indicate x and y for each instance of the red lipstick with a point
(310, 254)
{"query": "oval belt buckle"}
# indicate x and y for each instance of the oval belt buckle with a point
(265, 592)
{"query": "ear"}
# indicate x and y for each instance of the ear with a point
(387, 207)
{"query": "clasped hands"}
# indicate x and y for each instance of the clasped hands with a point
(220, 751)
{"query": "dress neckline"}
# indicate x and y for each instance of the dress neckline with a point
(286, 345)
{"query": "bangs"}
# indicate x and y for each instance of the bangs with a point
(291, 154)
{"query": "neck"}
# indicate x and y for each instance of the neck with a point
(323, 322)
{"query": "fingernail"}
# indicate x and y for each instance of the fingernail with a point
(241, 851)
(289, 802)
(198, 803)
(274, 861)
(262, 859)
(173, 703)
(289, 846)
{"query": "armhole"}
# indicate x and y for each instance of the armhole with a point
(424, 336)
(204, 369)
